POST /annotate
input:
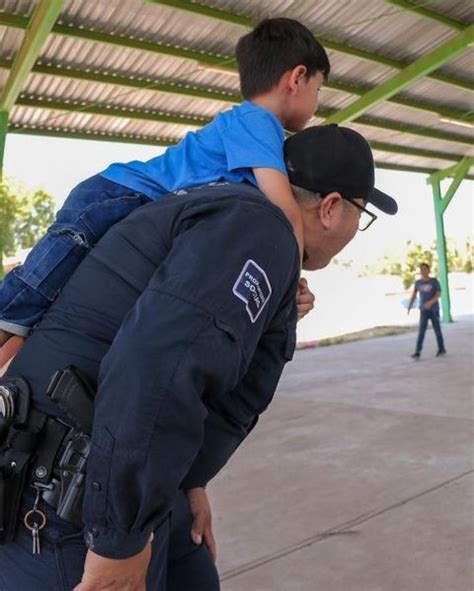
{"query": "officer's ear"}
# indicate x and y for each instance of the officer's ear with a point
(330, 208)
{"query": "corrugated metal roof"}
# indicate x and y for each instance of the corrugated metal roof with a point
(148, 71)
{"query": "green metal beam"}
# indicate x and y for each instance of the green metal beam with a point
(410, 151)
(201, 9)
(441, 110)
(401, 128)
(158, 116)
(117, 112)
(452, 171)
(223, 15)
(38, 28)
(407, 168)
(395, 84)
(96, 135)
(207, 58)
(139, 83)
(427, 13)
(154, 141)
(406, 128)
(222, 95)
(457, 180)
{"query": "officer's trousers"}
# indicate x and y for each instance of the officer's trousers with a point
(176, 564)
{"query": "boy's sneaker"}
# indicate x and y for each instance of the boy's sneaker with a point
(415, 356)
(441, 352)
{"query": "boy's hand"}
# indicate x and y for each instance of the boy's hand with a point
(202, 519)
(104, 574)
(9, 345)
(304, 299)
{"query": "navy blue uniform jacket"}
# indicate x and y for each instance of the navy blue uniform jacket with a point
(183, 315)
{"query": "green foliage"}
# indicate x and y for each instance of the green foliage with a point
(24, 218)
(469, 262)
(8, 211)
(35, 216)
(458, 259)
(414, 256)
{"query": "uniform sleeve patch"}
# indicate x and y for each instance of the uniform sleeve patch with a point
(253, 288)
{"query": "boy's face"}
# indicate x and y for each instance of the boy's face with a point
(424, 272)
(305, 102)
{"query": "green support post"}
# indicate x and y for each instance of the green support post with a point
(441, 248)
(3, 138)
(39, 27)
(457, 172)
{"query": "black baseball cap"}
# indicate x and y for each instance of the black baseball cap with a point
(328, 158)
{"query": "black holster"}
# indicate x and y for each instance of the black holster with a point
(41, 450)
(18, 440)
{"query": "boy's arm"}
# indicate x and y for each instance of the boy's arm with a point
(276, 187)
(431, 302)
(412, 299)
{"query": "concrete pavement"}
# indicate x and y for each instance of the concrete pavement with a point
(360, 475)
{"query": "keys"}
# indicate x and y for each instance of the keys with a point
(36, 539)
(34, 521)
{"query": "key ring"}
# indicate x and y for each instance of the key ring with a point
(35, 524)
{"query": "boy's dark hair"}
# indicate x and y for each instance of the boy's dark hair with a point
(426, 266)
(275, 46)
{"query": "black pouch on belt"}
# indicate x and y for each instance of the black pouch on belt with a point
(19, 429)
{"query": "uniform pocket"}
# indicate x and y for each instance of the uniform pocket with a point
(70, 554)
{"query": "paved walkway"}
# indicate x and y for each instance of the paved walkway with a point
(359, 477)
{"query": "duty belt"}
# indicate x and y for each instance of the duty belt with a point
(43, 450)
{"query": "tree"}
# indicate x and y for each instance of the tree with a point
(24, 218)
(9, 206)
(36, 215)
(459, 258)
(469, 262)
(415, 255)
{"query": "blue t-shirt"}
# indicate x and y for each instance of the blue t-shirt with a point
(427, 289)
(235, 141)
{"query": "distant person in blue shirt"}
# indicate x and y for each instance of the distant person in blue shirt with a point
(282, 68)
(429, 291)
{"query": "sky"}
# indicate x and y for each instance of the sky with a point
(57, 165)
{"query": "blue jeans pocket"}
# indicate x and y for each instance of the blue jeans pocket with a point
(91, 209)
(55, 257)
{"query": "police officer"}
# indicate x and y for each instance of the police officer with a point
(183, 317)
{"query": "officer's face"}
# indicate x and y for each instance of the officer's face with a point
(329, 225)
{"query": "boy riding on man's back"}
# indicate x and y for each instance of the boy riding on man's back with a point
(282, 68)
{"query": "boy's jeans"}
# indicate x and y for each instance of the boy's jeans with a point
(89, 211)
(433, 315)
